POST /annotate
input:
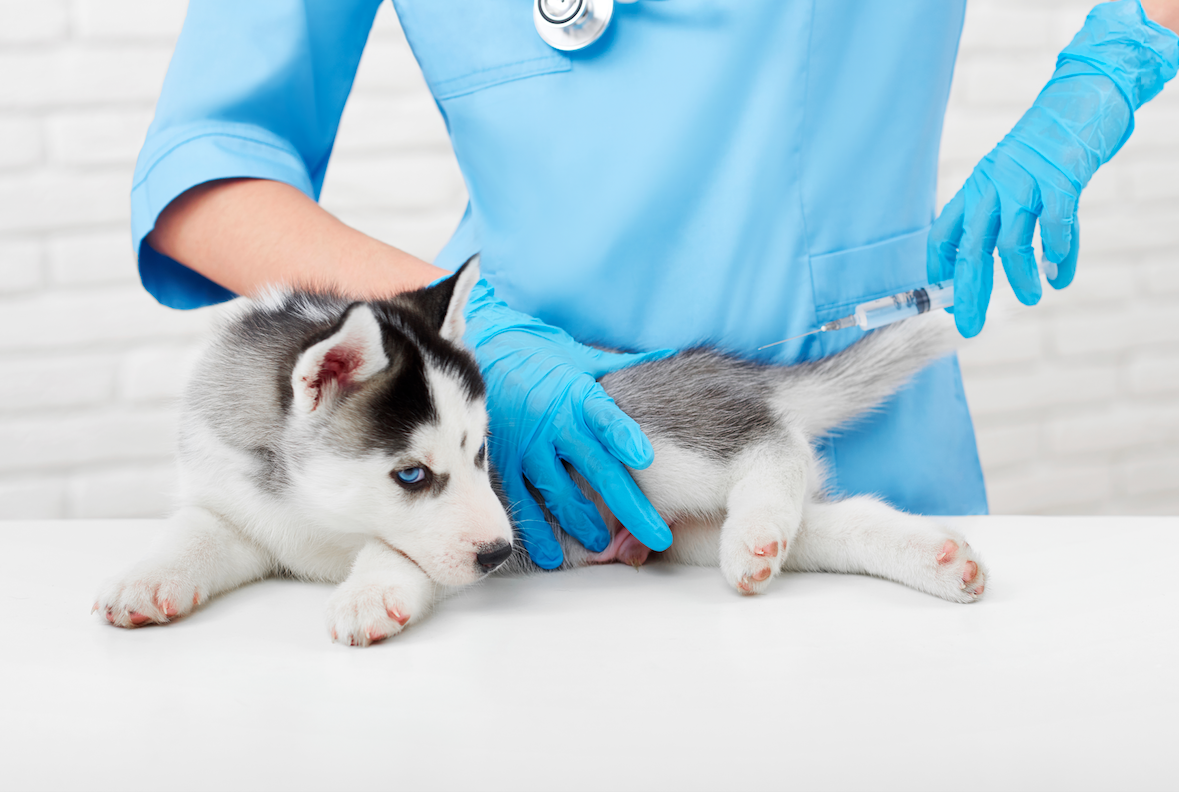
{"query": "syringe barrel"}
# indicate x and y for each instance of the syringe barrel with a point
(887, 310)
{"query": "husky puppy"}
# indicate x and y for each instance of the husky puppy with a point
(346, 442)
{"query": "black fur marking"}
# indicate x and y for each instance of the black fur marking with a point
(270, 475)
(438, 484)
(445, 356)
(398, 401)
(481, 455)
(433, 302)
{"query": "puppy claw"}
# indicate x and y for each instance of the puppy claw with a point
(148, 595)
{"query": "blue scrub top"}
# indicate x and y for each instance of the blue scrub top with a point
(730, 173)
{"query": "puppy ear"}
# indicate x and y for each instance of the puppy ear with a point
(340, 362)
(454, 324)
(444, 302)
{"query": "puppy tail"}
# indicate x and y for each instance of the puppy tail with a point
(827, 394)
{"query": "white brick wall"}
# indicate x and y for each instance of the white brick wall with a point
(1076, 401)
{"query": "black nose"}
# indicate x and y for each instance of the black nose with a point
(493, 555)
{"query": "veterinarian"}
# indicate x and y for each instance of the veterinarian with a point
(731, 173)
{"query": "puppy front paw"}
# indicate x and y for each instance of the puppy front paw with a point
(361, 614)
(149, 594)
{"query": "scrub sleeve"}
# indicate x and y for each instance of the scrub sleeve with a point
(255, 89)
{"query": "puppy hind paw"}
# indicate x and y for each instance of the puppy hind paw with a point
(958, 573)
(750, 566)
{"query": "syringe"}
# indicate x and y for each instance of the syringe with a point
(886, 310)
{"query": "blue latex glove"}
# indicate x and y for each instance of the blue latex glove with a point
(1118, 62)
(546, 406)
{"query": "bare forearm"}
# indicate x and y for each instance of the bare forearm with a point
(247, 234)
(1164, 12)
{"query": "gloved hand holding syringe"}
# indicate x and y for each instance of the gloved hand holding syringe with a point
(902, 305)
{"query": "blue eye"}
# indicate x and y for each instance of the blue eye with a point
(411, 476)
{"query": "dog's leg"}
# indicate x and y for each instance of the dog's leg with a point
(199, 556)
(764, 512)
(863, 535)
(384, 592)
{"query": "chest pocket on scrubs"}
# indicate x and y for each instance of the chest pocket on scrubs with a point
(843, 279)
(465, 46)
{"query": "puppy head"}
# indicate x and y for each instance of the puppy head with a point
(391, 416)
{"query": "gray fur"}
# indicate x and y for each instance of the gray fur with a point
(699, 399)
(717, 404)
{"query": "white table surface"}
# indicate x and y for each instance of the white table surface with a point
(1063, 677)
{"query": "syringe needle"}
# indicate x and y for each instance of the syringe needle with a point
(784, 340)
(834, 324)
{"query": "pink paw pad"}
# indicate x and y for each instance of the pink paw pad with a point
(761, 574)
(948, 553)
(168, 608)
(969, 572)
(375, 636)
(397, 617)
(769, 551)
(137, 618)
